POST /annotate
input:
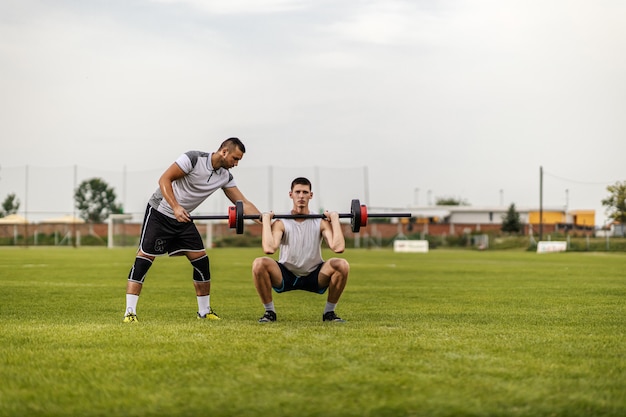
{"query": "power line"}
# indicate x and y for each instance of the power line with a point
(576, 181)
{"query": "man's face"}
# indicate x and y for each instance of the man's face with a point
(231, 158)
(301, 194)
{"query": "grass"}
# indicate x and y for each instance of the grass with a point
(448, 333)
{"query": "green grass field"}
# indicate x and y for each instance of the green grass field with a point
(448, 333)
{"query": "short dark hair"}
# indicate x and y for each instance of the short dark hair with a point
(231, 143)
(301, 181)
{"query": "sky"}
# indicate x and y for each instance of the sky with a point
(464, 99)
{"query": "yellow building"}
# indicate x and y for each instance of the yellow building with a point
(549, 217)
(576, 218)
(584, 218)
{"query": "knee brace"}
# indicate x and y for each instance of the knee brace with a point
(201, 270)
(139, 270)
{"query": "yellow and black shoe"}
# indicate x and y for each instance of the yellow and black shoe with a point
(130, 318)
(211, 315)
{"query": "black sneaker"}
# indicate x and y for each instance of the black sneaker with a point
(331, 316)
(268, 317)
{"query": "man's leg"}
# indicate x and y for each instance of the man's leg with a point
(136, 277)
(334, 273)
(266, 273)
(202, 283)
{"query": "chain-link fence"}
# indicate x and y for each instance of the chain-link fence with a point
(47, 193)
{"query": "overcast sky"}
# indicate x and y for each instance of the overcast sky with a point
(463, 99)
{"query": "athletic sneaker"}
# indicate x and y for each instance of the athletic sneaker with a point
(331, 316)
(210, 315)
(268, 317)
(130, 318)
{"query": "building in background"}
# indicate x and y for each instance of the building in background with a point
(453, 219)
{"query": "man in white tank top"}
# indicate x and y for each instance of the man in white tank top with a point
(300, 265)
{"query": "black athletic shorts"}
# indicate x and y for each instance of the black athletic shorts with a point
(307, 283)
(162, 235)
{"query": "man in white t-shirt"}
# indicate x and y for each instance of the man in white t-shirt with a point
(300, 265)
(167, 227)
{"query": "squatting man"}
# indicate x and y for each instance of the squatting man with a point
(300, 265)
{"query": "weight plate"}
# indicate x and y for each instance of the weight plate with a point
(239, 215)
(232, 217)
(363, 215)
(355, 212)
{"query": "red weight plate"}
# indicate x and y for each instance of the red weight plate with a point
(232, 217)
(363, 215)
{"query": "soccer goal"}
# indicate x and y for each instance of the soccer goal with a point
(117, 231)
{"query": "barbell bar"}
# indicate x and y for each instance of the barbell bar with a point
(358, 216)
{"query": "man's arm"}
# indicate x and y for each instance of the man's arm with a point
(234, 194)
(331, 230)
(272, 233)
(165, 184)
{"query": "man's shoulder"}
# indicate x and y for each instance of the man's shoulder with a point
(194, 156)
(278, 224)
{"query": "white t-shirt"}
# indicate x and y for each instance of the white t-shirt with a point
(200, 182)
(300, 247)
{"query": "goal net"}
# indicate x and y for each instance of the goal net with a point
(119, 233)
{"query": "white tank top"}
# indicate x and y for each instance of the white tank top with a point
(300, 247)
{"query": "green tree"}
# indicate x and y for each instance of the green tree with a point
(616, 202)
(96, 200)
(511, 221)
(10, 205)
(450, 201)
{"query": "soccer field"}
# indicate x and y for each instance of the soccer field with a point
(448, 333)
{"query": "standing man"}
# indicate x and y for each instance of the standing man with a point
(167, 226)
(300, 265)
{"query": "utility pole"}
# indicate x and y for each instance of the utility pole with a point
(540, 203)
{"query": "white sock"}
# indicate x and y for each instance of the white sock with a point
(204, 304)
(131, 303)
(329, 307)
(269, 306)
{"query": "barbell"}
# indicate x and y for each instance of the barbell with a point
(358, 216)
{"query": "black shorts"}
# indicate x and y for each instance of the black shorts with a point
(307, 283)
(162, 235)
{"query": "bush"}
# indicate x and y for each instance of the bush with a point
(244, 240)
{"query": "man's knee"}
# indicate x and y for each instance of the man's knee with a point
(342, 266)
(345, 266)
(201, 269)
(259, 266)
(140, 269)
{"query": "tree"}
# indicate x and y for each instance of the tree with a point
(616, 203)
(10, 205)
(450, 201)
(511, 221)
(96, 200)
